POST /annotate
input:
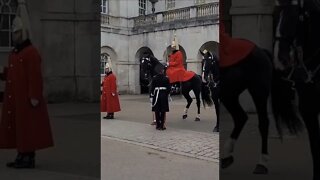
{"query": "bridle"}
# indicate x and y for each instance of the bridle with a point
(210, 79)
(299, 59)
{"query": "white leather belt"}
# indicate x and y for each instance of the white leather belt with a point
(160, 88)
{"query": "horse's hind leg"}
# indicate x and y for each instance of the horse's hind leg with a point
(309, 114)
(239, 116)
(260, 97)
(312, 125)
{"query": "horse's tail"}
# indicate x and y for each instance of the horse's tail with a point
(206, 94)
(284, 108)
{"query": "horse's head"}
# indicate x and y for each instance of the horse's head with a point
(146, 68)
(208, 63)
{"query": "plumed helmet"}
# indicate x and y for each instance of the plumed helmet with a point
(21, 20)
(175, 43)
(108, 65)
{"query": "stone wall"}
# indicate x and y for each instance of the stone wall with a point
(67, 34)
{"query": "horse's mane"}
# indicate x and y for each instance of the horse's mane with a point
(156, 65)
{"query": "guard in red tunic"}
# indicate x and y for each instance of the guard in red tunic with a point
(109, 99)
(176, 71)
(24, 123)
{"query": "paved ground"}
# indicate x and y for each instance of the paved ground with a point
(186, 150)
(137, 109)
(123, 161)
(184, 142)
(76, 155)
(289, 159)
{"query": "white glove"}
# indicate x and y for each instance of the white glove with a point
(34, 102)
(113, 94)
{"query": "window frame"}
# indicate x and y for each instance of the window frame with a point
(170, 4)
(143, 7)
(104, 7)
(10, 15)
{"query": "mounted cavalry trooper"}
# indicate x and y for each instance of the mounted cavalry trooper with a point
(24, 123)
(160, 90)
(109, 99)
(176, 71)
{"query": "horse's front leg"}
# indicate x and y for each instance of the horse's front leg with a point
(197, 94)
(189, 101)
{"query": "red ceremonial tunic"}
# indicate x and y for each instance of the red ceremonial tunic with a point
(232, 50)
(176, 71)
(109, 103)
(23, 126)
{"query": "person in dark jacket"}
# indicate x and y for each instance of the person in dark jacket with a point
(160, 90)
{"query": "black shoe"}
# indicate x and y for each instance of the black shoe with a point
(226, 162)
(27, 161)
(110, 117)
(163, 128)
(260, 169)
(18, 159)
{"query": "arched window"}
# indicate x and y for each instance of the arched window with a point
(8, 9)
(104, 59)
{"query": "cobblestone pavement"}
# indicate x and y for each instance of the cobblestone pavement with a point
(194, 144)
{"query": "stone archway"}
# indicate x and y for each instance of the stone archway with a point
(210, 46)
(144, 89)
(109, 55)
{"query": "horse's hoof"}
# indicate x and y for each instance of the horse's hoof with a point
(184, 116)
(216, 129)
(260, 169)
(226, 162)
(197, 119)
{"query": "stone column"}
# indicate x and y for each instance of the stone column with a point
(68, 39)
(252, 19)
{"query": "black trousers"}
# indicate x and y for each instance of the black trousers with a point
(160, 118)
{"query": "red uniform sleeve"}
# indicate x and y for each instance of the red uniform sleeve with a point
(34, 75)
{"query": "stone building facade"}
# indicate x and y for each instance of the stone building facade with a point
(67, 34)
(129, 28)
